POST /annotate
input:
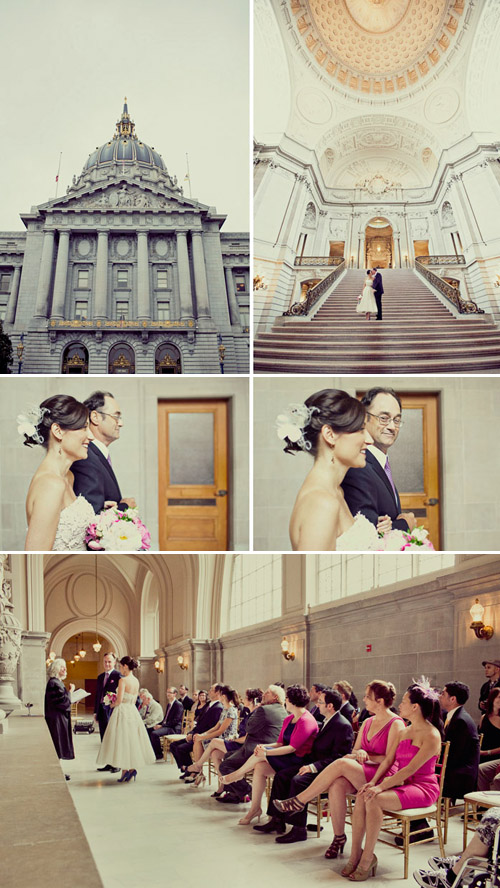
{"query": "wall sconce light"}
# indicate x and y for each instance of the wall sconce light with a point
(182, 664)
(158, 666)
(482, 631)
(285, 649)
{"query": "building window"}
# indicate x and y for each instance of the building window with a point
(240, 284)
(244, 316)
(255, 590)
(163, 311)
(122, 310)
(83, 279)
(5, 282)
(161, 279)
(81, 308)
(122, 277)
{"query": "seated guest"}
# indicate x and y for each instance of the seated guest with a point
(348, 774)
(206, 716)
(413, 785)
(149, 710)
(463, 758)
(333, 741)
(226, 727)
(446, 869)
(492, 674)
(170, 724)
(263, 726)
(345, 691)
(184, 699)
(294, 742)
(314, 695)
(490, 750)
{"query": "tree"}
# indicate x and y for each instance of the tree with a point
(5, 351)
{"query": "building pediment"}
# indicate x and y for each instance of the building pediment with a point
(125, 196)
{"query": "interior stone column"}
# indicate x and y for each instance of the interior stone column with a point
(10, 643)
(35, 592)
(200, 276)
(61, 276)
(42, 293)
(32, 670)
(184, 275)
(10, 314)
(101, 276)
(234, 310)
(143, 300)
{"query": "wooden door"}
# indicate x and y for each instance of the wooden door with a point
(193, 475)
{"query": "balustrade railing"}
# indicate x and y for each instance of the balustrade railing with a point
(441, 260)
(319, 260)
(315, 293)
(464, 306)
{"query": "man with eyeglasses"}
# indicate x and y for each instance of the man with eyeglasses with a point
(371, 490)
(94, 476)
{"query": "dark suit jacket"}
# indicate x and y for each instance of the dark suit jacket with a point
(95, 480)
(173, 718)
(368, 490)
(484, 693)
(332, 742)
(186, 703)
(347, 710)
(207, 718)
(463, 757)
(111, 685)
(378, 287)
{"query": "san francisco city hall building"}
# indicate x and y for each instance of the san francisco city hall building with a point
(125, 274)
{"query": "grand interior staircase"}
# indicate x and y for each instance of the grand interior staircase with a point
(417, 334)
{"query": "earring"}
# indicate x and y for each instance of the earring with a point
(333, 455)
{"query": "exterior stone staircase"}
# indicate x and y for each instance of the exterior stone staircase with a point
(418, 334)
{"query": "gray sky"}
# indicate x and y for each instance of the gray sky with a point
(66, 65)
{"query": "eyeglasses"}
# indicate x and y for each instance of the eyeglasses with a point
(116, 416)
(384, 419)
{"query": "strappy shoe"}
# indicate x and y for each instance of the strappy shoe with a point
(289, 806)
(360, 874)
(200, 779)
(336, 847)
(245, 821)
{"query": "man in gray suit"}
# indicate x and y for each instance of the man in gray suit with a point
(263, 726)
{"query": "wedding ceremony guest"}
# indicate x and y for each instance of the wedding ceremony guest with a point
(371, 490)
(107, 682)
(380, 732)
(492, 673)
(489, 778)
(57, 709)
(412, 785)
(345, 691)
(263, 726)
(334, 740)
(463, 757)
(445, 870)
(295, 741)
(56, 515)
(206, 717)
(225, 728)
(314, 695)
(149, 710)
(170, 724)
(94, 476)
(184, 698)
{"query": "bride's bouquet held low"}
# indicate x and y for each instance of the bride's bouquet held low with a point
(115, 531)
(406, 541)
(109, 698)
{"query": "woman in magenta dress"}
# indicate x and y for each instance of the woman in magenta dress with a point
(345, 775)
(413, 785)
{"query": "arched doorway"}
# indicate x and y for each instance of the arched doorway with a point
(168, 359)
(121, 359)
(83, 670)
(379, 243)
(75, 359)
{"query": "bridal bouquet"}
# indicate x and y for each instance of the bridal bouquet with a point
(109, 698)
(404, 541)
(116, 531)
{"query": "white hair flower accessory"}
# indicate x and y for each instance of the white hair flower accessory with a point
(28, 422)
(292, 422)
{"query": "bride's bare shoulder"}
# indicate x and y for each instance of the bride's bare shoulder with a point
(47, 486)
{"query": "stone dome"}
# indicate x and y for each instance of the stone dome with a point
(124, 148)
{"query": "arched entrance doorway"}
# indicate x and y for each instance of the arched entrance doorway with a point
(75, 359)
(168, 359)
(83, 670)
(379, 243)
(121, 359)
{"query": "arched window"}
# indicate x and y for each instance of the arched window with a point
(121, 359)
(75, 359)
(168, 359)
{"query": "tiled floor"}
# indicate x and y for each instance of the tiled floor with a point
(157, 832)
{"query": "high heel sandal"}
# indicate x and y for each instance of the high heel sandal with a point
(245, 821)
(129, 776)
(200, 779)
(289, 806)
(360, 874)
(336, 847)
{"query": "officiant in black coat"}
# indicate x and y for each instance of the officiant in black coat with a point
(57, 710)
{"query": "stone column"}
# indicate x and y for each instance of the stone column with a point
(143, 300)
(10, 643)
(101, 276)
(396, 258)
(61, 275)
(200, 276)
(42, 293)
(32, 670)
(10, 315)
(234, 310)
(35, 593)
(184, 275)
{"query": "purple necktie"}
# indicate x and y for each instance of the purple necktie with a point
(109, 460)
(106, 676)
(387, 470)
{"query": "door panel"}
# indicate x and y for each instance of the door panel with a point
(193, 472)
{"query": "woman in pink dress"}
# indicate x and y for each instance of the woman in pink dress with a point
(347, 774)
(412, 785)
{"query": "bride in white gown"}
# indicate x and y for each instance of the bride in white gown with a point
(367, 304)
(126, 742)
(57, 519)
(331, 427)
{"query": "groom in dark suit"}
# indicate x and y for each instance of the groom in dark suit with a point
(106, 681)
(378, 291)
(94, 476)
(371, 490)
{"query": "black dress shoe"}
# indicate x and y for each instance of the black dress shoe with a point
(113, 770)
(106, 768)
(229, 799)
(296, 834)
(272, 825)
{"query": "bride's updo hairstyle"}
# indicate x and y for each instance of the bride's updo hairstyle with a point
(65, 410)
(130, 662)
(428, 700)
(331, 407)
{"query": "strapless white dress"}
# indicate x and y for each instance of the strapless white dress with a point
(367, 301)
(73, 523)
(126, 742)
(362, 536)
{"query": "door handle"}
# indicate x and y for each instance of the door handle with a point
(432, 501)
(220, 493)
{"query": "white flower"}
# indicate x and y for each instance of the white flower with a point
(393, 541)
(122, 535)
(25, 428)
(292, 422)
(420, 534)
(285, 429)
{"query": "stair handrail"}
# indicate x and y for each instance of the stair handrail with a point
(314, 293)
(464, 306)
(441, 260)
(318, 260)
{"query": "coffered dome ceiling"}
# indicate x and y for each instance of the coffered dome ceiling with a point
(378, 46)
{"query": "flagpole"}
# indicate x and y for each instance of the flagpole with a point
(58, 171)
(188, 176)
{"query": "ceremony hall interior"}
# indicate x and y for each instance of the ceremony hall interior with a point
(182, 452)
(239, 619)
(378, 146)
